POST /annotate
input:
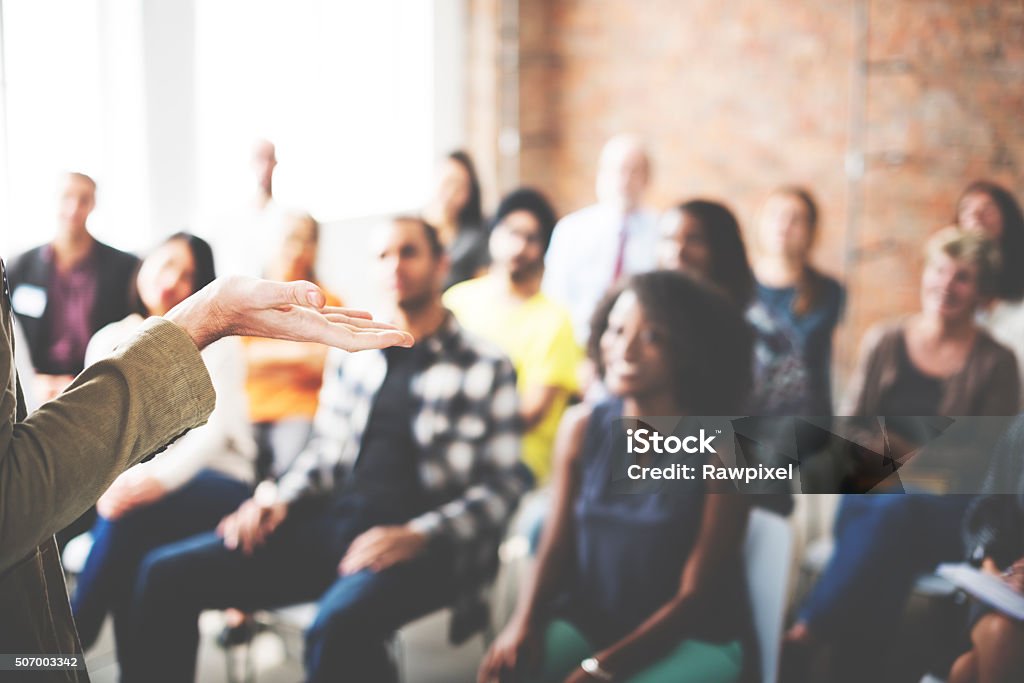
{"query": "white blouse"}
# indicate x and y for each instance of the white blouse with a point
(1005, 322)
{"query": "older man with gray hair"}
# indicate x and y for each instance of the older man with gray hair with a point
(595, 246)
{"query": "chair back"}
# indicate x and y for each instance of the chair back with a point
(766, 552)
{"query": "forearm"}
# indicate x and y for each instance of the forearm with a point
(58, 461)
(541, 585)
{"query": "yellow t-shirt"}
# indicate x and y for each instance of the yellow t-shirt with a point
(537, 336)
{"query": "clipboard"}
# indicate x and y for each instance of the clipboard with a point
(983, 586)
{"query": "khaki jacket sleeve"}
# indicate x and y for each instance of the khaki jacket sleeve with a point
(55, 463)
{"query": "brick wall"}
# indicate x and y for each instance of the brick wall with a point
(738, 96)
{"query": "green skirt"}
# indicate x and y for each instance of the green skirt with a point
(692, 661)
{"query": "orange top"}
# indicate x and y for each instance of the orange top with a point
(284, 377)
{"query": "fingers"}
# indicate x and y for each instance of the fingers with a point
(361, 322)
(350, 312)
(228, 530)
(283, 295)
(223, 525)
(238, 527)
(362, 340)
(495, 661)
(484, 673)
(368, 547)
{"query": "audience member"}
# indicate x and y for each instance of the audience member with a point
(641, 585)
(197, 480)
(990, 209)
(703, 238)
(995, 537)
(507, 308)
(284, 377)
(395, 508)
(244, 237)
(795, 291)
(64, 291)
(593, 247)
(937, 362)
(456, 210)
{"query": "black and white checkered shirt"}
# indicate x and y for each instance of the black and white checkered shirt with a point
(465, 422)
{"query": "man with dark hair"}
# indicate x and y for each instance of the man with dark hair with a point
(64, 291)
(395, 508)
(507, 307)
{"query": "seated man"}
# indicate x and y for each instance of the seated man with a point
(388, 514)
(507, 307)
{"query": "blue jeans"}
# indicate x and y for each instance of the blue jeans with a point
(105, 584)
(299, 563)
(883, 542)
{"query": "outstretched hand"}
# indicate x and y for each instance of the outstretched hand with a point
(293, 311)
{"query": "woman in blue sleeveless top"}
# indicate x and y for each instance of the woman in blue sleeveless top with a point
(633, 581)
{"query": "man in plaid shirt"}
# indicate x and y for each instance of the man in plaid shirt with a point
(394, 509)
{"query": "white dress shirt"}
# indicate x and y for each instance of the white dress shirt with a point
(580, 262)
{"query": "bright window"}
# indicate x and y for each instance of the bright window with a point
(345, 89)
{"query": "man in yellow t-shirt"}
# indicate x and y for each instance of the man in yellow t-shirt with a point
(507, 307)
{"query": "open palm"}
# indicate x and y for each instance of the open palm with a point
(293, 311)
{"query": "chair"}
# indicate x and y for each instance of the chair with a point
(76, 552)
(290, 624)
(767, 554)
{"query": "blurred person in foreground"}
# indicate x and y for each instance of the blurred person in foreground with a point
(992, 211)
(190, 486)
(593, 247)
(935, 362)
(394, 510)
(995, 538)
(456, 210)
(283, 378)
(507, 307)
(64, 291)
(642, 585)
(57, 461)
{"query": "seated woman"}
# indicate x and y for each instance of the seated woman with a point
(284, 377)
(643, 586)
(995, 536)
(937, 362)
(196, 481)
(455, 209)
(792, 287)
(992, 211)
(703, 239)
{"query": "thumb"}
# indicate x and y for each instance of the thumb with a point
(302, 293)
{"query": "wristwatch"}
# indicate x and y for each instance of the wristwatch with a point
(593, 667)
